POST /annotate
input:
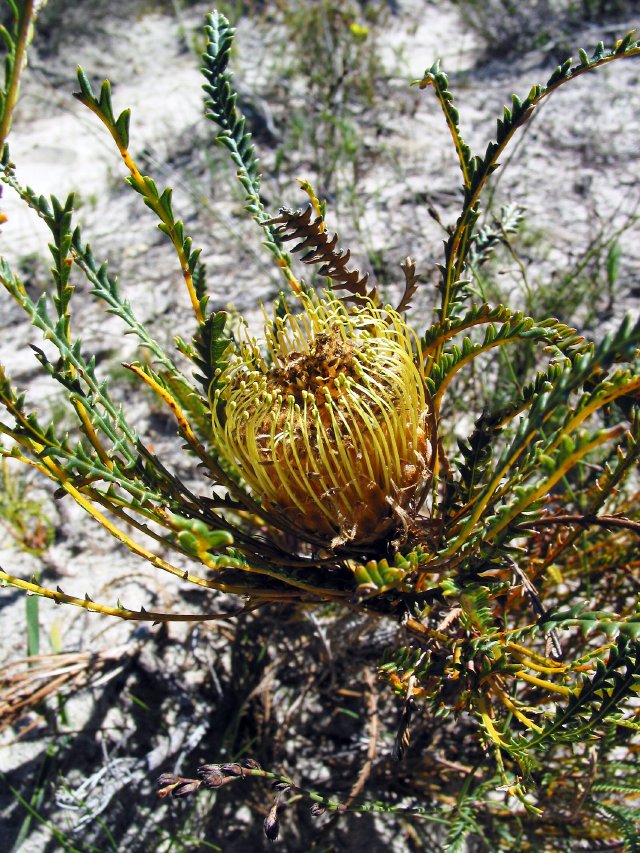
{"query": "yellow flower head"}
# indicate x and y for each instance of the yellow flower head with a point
(330, 432)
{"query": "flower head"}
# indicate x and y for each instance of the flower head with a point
(330, 429)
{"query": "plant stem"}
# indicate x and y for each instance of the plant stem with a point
(19, 61)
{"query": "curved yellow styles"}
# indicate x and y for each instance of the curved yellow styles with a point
(331, 429)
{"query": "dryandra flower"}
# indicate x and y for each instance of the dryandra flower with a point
(329, 430)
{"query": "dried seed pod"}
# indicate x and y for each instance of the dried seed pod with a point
(231, 769)
(250, 764)
(271, 823)
(185, 787)
(211, 775)
(167, 783)
(317, 809)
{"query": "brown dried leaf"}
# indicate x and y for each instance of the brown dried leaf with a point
(411, 283)
(319, 248)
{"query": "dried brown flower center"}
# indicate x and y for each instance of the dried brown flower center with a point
(315, 370)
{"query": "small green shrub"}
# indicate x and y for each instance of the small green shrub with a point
(23, 516)
(329, 476)
(507, 27)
